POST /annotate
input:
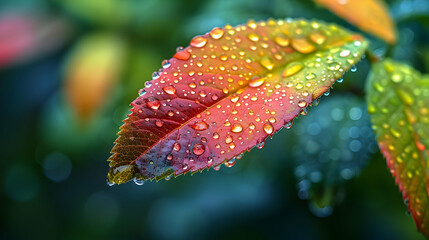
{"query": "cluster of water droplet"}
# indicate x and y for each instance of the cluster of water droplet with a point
(229, 90)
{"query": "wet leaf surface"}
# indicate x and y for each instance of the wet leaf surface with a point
(226, 93)
(398, 101)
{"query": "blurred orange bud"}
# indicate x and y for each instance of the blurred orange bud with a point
(92, 70)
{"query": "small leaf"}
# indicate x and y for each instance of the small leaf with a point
(370, 16)
(398, 101)
(226, 93)
(331, 146)
(91, 72)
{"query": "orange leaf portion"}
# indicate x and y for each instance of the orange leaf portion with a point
(227, 92)
(369, 15)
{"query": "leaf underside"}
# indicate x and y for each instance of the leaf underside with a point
(371, 16)
(331, 145)
(398, 101)
(227, 92)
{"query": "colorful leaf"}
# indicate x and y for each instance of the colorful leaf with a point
(370, 16)
(398, 101)
(331, 146)
(227, 92)
(92, 71)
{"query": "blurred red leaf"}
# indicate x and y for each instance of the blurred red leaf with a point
(226, 93)
(91, 72)
(370, 16)
(25, 37)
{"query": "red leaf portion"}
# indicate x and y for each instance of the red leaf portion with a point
(226, 93)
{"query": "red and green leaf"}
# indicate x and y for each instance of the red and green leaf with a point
(398, 101)
(371, 16)
(227, 92)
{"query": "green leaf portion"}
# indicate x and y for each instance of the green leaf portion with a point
(398, 102)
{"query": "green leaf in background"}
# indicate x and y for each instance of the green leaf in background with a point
(398, 101)
(331, 146)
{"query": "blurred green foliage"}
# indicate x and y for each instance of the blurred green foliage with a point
(53, 176)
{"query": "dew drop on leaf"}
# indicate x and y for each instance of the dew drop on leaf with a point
(169, 90)
(268, 128)
(200, 126)
(198, 149)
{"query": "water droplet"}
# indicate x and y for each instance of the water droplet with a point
(217, 168)
(267, 63)
(148, 84)
(353, 69)
(317, 38)
(153, 103)
(203, 94)
(304, 111)
(327, 92)
(169, 157)
(192, 85)
(281, 41)
(316, 102)
(185, 167)
(302, 104)
(292, 69)
(182, 55)
(260, 145)
(340, 80)
(169, 90)
(166, 64)
(268, 128)
(230, 163)
(236, 128)
(302, 45)
(198, 42)
(310, 76)
(253, 37)
(142, 92)
(228, 139)
(288, 125)
(159, 123)
(217, 33)
(168, 177)
(176, 146)
(256, 82)
(198, 149)
(299, 86)
(215, 97)
(109, 183)
(216, 135)
(334, 66)
(345, 53)
(396, 78)
(155, 75)
(138, 181)
(200, 126)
